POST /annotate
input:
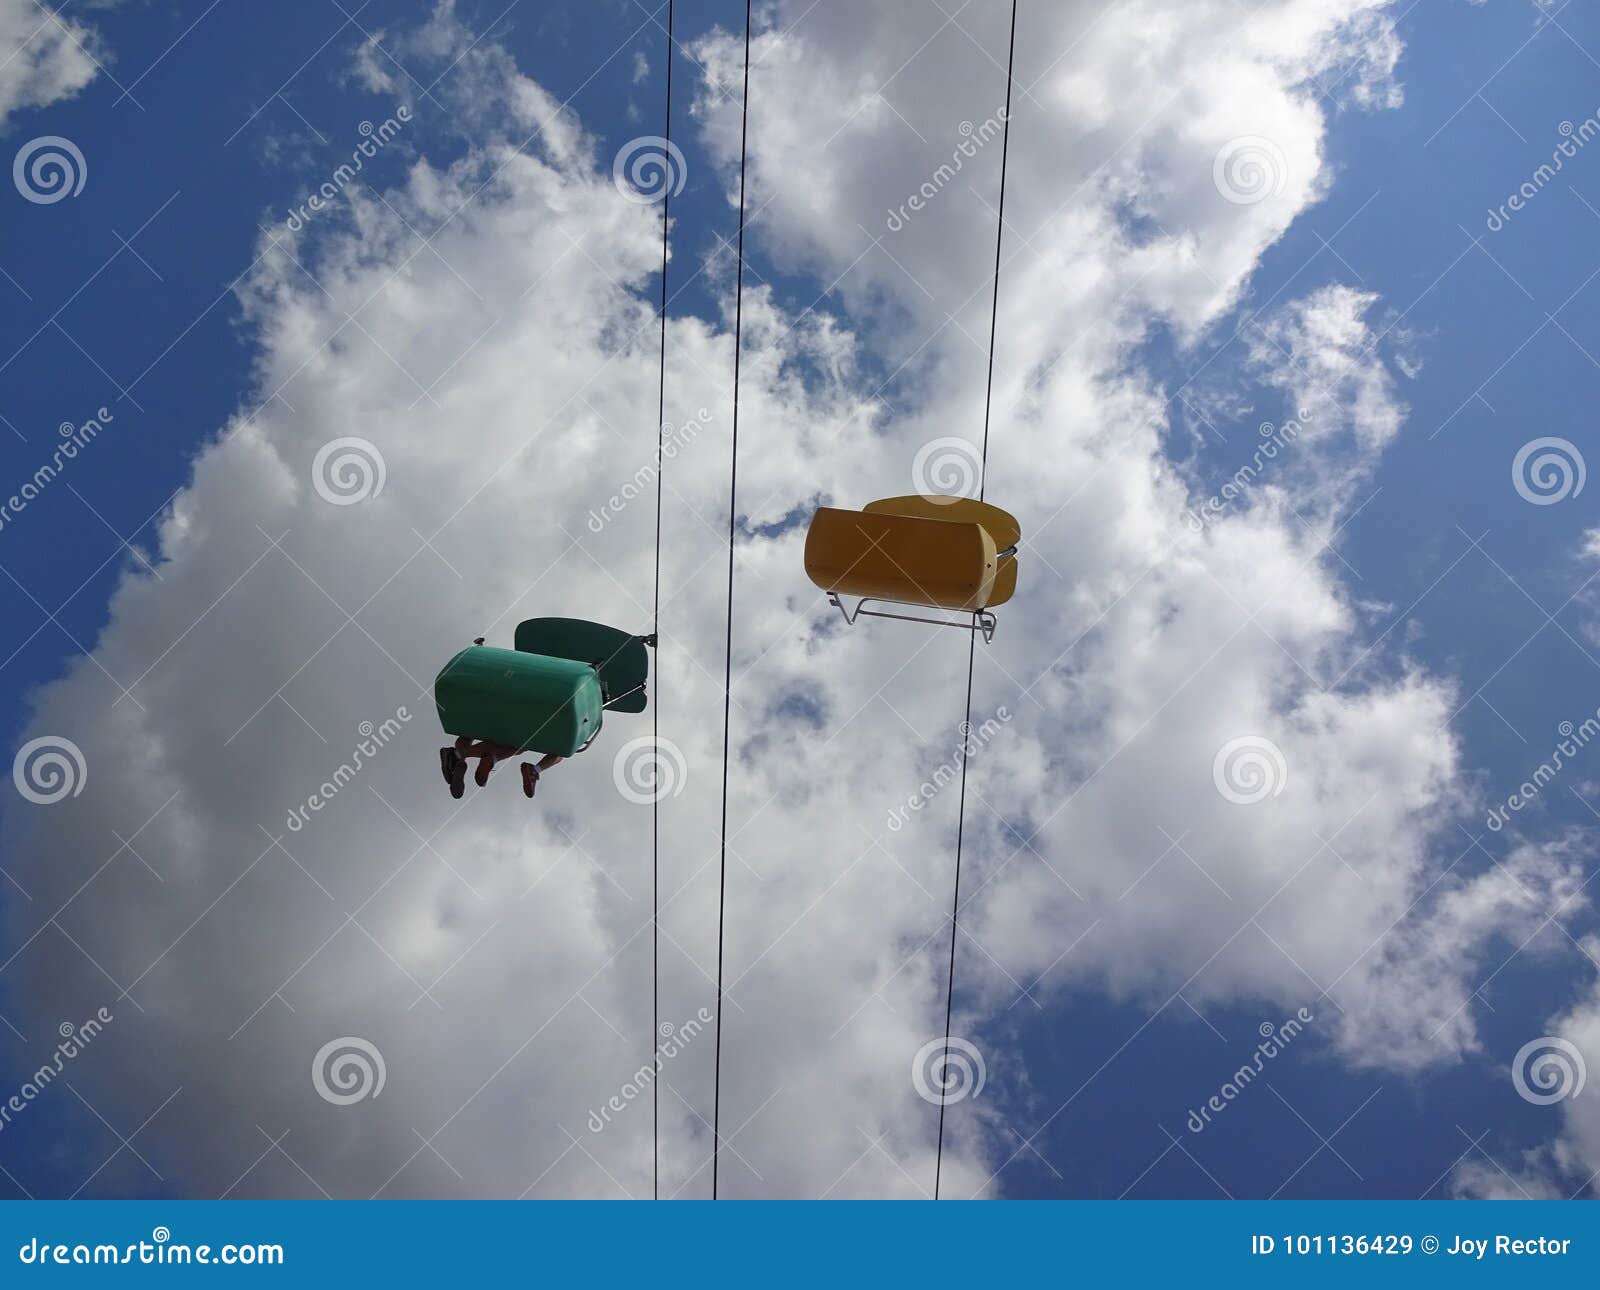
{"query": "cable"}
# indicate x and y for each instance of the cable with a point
(655, 618)
(727, 675)
(972, 644)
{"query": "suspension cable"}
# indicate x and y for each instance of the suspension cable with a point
(655, 618)
(727, 675)
(972, 644)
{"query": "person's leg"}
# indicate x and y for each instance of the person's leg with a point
(491, 754)
(532, 770)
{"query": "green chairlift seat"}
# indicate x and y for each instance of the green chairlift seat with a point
(526, 701)
(548, 695)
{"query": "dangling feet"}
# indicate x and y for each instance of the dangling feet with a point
(480, 777)
(530, 778)
(454, 767)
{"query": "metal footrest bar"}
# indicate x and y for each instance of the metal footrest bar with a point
(982, 620)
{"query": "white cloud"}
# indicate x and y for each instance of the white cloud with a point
(43, 57)
(506, 373)
(1566, 1165)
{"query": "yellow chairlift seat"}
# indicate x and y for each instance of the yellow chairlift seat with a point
(938, 552)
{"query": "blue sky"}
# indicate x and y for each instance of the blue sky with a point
(210, 123)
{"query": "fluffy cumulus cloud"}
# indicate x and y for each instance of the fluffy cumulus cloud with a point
(1552, 1071)
(1205, 777)
(43, 56)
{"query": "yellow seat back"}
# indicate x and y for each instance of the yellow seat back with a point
(943, 564)
(1002, 525)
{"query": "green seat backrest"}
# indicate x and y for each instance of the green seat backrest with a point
(621, 660)
(526, 701)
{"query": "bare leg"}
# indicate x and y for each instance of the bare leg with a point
(487, 754)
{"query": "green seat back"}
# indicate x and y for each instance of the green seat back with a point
(621, 660)
(526, 701)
